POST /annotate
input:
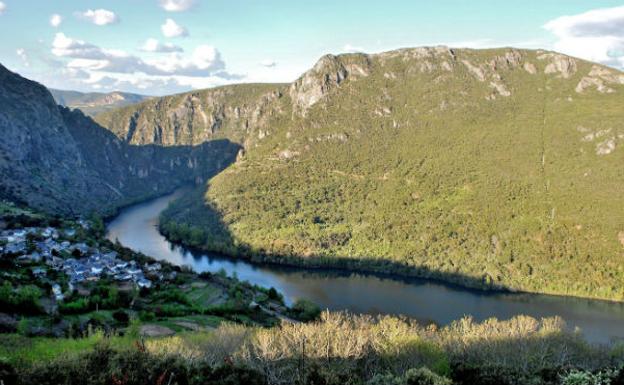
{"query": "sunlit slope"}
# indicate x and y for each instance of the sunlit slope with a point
(192, 118)
(486, 167)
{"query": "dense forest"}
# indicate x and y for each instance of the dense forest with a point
(490, 168)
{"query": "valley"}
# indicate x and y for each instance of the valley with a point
(455, 211)
(136, 227)
(487, 168)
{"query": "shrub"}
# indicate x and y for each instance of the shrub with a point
(146, 316)
(386, 379)
(580, 377)
(78, 306)
(26, 300)
(305, 310)
(424, 376)
(234, 375)
(274, 295)
(121, 317)
(421, 376)
(8, 374)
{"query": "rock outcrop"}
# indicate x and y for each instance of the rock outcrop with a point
(328, 73)
(60, 161)
(193, 118)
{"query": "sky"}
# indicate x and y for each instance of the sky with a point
(159, 47)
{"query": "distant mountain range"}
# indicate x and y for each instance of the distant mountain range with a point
(491, 168)
(92, 103)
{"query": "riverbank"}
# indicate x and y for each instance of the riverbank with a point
(429, 301)
(377, 266)
(62, 278)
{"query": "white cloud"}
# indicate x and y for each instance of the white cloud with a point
(173, 29)
(2, 7)
(56, 20)
(268, 63)
(204, 61)
(175, 71)
(352, 49)
(596, 35)
(64, 46)
(99, 16)
(21, 52)
(177, 5)
(153, 45)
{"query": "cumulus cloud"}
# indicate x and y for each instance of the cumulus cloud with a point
(153, 45)
(56, 20)
(2, 7)
(176, 5)
(268, 63)
(173, 29)
(205, 60)
(596, 35)
(99, 16)
(21, 52)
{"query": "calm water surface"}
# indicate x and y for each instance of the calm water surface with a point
(136, 227)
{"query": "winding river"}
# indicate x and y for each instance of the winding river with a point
(600, 321)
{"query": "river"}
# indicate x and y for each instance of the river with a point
(428, 301)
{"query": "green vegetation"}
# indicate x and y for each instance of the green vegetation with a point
(200, 116)
(415, 166)
(335, 350)
(178, 299)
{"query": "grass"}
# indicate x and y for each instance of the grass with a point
(20, 350)
(337, 346)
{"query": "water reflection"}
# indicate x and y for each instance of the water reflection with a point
(136, 227)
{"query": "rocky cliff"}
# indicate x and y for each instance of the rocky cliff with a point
(187, 119)
(61, 161)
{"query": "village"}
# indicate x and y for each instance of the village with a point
(62, 277)
(50, 248)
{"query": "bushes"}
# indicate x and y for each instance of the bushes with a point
(78, 306)
(421, 376)
(340, 348)
(121, 316)
(579, 377)
(23, 300)
(104, 365)
(305, 310)
(8, 374)
(424, 376)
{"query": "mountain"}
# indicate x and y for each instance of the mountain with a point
(491, 168)
(60, 161)
(92, 103)
(191, 118)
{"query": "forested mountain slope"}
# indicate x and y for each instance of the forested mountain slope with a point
(62, 162)
(492, 168)
(195, 117)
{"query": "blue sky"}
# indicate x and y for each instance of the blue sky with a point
(165, 46)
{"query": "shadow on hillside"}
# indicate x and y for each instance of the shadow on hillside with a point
(139, 172)
(215, 241)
